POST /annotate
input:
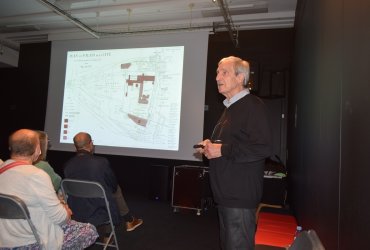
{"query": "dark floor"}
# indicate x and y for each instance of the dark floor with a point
(164, 229)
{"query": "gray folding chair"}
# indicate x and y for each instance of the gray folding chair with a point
(12, 207)
(307, 240)
(90, 189)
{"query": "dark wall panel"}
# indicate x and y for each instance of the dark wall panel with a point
(8, 87)
(24, 91)
(355, 184)
(329, 135)
(314, 143)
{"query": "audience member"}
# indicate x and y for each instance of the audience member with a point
(43, 164)
(87, 166)
(51, 217)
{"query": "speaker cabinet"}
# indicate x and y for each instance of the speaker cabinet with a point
(190, 188)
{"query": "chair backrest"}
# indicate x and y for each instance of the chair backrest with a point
(12, 207)
(307, 240)
(83, 189)
(89, 189)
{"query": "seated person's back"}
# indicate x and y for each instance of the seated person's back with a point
(86, 166)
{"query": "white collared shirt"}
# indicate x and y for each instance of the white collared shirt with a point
(236, 97)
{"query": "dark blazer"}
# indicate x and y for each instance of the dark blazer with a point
(86, 166)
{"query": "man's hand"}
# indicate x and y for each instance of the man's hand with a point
(210, 150)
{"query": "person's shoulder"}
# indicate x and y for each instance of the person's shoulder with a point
(251, 96)
(93, 159)
(253, 99)
(70, 160)
(34, 171)
(101, 159)
(42, 164)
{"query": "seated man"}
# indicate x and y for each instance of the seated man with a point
(87, 166)
(50, 216)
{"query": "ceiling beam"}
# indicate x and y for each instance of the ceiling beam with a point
(233, 32)
(69, 17)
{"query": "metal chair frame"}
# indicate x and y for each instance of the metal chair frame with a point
(307, 240)
(90, 189)
(13, 207)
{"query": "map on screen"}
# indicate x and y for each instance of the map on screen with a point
(124, 97)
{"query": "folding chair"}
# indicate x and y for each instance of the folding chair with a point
(307, 240)
(90, 189)
(12, 207)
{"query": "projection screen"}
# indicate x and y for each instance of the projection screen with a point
(137, 96)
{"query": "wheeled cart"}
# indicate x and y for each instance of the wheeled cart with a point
(190, 189)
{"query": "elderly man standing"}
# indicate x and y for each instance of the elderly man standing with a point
(237, 149)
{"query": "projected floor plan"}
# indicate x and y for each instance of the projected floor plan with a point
(143, 98)
(124, 97)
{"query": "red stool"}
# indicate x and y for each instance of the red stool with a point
(275, 229)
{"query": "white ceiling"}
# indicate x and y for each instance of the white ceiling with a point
(29, 21)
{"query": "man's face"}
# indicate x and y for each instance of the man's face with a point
(228, 82)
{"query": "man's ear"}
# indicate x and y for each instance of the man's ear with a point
(241, 78)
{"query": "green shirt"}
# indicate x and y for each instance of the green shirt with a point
(55, 178)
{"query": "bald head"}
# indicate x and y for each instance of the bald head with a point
(24, 142)
(82, 141)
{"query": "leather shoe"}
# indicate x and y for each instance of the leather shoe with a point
(132, 225)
